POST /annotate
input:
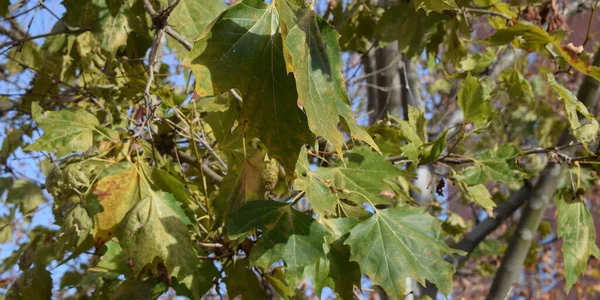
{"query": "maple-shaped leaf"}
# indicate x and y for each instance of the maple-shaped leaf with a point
(576, 229)
(117, 193)
(287, 234)
(318, 194)
(365, 175)
(270, 111)
(190, 17)
(496, 164)
(585, 133)
(65, 131)
(313, 55)
(415, 131)
(157, 227)
(435, 5)
(398, 243)
(239, 187)
(473, 99)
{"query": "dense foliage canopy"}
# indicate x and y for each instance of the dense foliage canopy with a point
(288, 148)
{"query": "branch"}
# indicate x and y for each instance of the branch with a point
(538, 202)
(190, 160)
(15, 42)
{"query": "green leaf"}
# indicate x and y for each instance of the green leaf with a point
(585, 133)
(241, 280)
(576, 229)
(365, 175)
(435, 5)
(318, 194)
(65, 131)
(413, 31)
(398, 243)
(496, 164)
(480, 195)
(4, 4)
(239, 187)
(345, 273)
(287, 234)
(137, 289)
(12, 141)
(270, 111)
(26, 194)
(415, 131)
(478, 62)
(429, 152)
(33, 284)
(190, 18)
(312, 53)
(473, 99)
(111, 258)
(516, 85)
(156, 227)
(74, 231)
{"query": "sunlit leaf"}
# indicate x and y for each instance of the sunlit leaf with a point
(398, 243)
(578, 233)
(585, 133)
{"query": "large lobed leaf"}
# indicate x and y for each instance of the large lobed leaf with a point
(65, 131)
(398, 243)
(157, 227)
(363, 177)
(246, 38)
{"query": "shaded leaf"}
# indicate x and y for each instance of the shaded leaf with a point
(241, 280)
(413, 31)
(473, 99)
(269, 111)
(26, 194)
(287, 234)
(33, 284)
(239, 187)
(156, 227)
